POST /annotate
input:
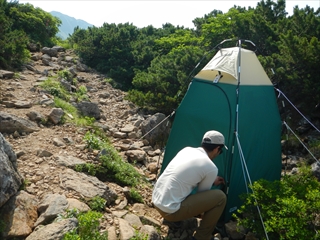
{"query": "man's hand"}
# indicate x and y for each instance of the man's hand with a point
(218, 181)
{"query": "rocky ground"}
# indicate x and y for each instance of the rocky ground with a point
(48, 150)
(47, 155)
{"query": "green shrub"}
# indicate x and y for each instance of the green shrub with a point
(97, 204)
(139, 236)
(66, 75)
(110, 161)
(93, 141)
(289, 208)
(2, 226)
(122, 172)
(135, 195)
(315, 147)
(25, 184)
(72, 110)
(81, 93)
(67, 107)
(63, 43)
(55, 89)
(88, 228)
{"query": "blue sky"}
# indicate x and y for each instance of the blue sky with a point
(144, 13)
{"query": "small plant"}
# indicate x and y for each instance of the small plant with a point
(44, 121)
(16, 75)
(113, 162)
(97, 204)
(63, 43)
(2, 226)
(93, 141)
(81, 93)
(88, 228)
(79, 167)
(66, 75)
(135, 195)
(25, 184)
(55, 89)
(139, 236)
(91, 168)
(70, 213)
(315, 147)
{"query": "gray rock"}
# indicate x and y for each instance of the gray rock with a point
(66, 84)
(42, 79)
(82, 67)
(112, 235)
(46, 57)
(50, 207)
(126, 231)
(22, 104)
(155, 128)
(133, 220)
(31, 68)
(69, 161)
(55, 115)
(10, 123)
(9, 104)
(119, 135)
(35, 116)
(21, 212)
(88, 186)
(35, 57)
(152, 233)
(59, 48)
(57, 142)
(233, 230)
(315, 169)
(47, 102)
(52, 52)
(10, 179)
(43, 153)
(6, 74)
(33, 47)
(54, 231)
(127, 128)
(136, 155)
(76, 204)
(89, 109)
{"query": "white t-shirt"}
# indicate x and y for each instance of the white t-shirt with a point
(189, 169)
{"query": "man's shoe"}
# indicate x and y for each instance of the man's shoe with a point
(173, 225)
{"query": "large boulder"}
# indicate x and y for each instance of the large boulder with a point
(10, 124)
(52, 52)
(19, 214)
(89, 109)
(10, 179)
(155, 129)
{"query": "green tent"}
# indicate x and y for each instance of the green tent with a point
(232, 94)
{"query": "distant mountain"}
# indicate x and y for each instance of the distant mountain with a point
(68, 24)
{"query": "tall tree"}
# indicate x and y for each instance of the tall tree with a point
(13, 43)
(298, 60)
(40, 26)
(162, 87)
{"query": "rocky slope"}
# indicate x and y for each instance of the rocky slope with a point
(47, 151)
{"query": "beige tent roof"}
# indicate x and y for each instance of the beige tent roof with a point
(227, 62)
